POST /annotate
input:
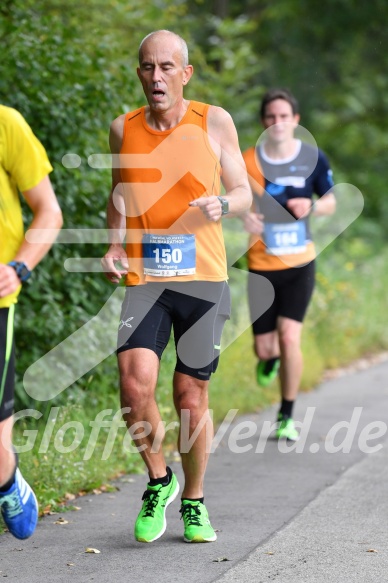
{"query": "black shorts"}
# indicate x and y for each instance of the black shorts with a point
(293, 290)
(7, 362)
(196, 311)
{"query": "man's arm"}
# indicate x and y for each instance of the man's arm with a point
(302, 207)
(325, 205)
(116, 211)
(46, 215)
(224, 140)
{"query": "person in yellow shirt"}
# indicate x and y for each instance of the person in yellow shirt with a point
(24, 168)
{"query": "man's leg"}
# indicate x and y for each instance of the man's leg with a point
(138, 376)
(18, 504)
(290, 332)
(198, 325)
(267, 345)
(196, 435)
(291, 367)
(191, 403)
(267, 350)
(7, 388)
(139, 369)
(7, 456)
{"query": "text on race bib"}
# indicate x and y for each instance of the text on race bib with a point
(169, 255)
(285, 238)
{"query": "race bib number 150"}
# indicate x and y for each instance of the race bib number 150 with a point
(169, 255)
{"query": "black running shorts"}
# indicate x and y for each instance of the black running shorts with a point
(293, 290)
(7, 362)
(196, 311)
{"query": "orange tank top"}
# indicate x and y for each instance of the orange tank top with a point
(161, 172)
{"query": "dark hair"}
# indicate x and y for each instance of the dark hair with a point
(273, 94)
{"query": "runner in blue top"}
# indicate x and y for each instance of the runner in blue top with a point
(285, 174)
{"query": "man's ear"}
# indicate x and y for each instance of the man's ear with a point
(188, 72)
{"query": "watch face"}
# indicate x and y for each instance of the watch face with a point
(21, 269)
(23, 272)
(224, 205)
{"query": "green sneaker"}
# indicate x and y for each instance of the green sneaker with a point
(266, 371)
(151, 521)
(286, 429)
(197, 524)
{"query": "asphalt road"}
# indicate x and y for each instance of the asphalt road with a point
(311, 512)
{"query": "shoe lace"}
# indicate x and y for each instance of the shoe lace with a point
(11, 504)
(191, 514)
(151, 500)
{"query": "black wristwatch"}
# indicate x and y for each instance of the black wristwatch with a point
(224, 205)
(21, 269)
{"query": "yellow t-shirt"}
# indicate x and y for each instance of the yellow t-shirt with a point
(23, 164)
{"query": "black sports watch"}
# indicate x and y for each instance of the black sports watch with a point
(21, 269)
(224, 205)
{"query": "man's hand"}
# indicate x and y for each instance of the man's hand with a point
(210, 206)
(300, 207)
(115, 254)
(9, 281)
(253, 223)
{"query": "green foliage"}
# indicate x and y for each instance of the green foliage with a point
(62, 82)
(348, 301)
(70, 68)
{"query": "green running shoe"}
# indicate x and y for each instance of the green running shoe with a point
(266, 371)
(197, 524)
(286, 429)
(151, 521)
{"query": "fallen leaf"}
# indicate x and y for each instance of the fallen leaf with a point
(61, 521)
(269, 553)
(70, 564)
(372, 551)
(220, 559)
(90, 550)
(69, 496)
(109, 488)
(47, 510)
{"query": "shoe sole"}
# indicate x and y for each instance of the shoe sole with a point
(200, 539)
(282, 437)
(171, 499)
